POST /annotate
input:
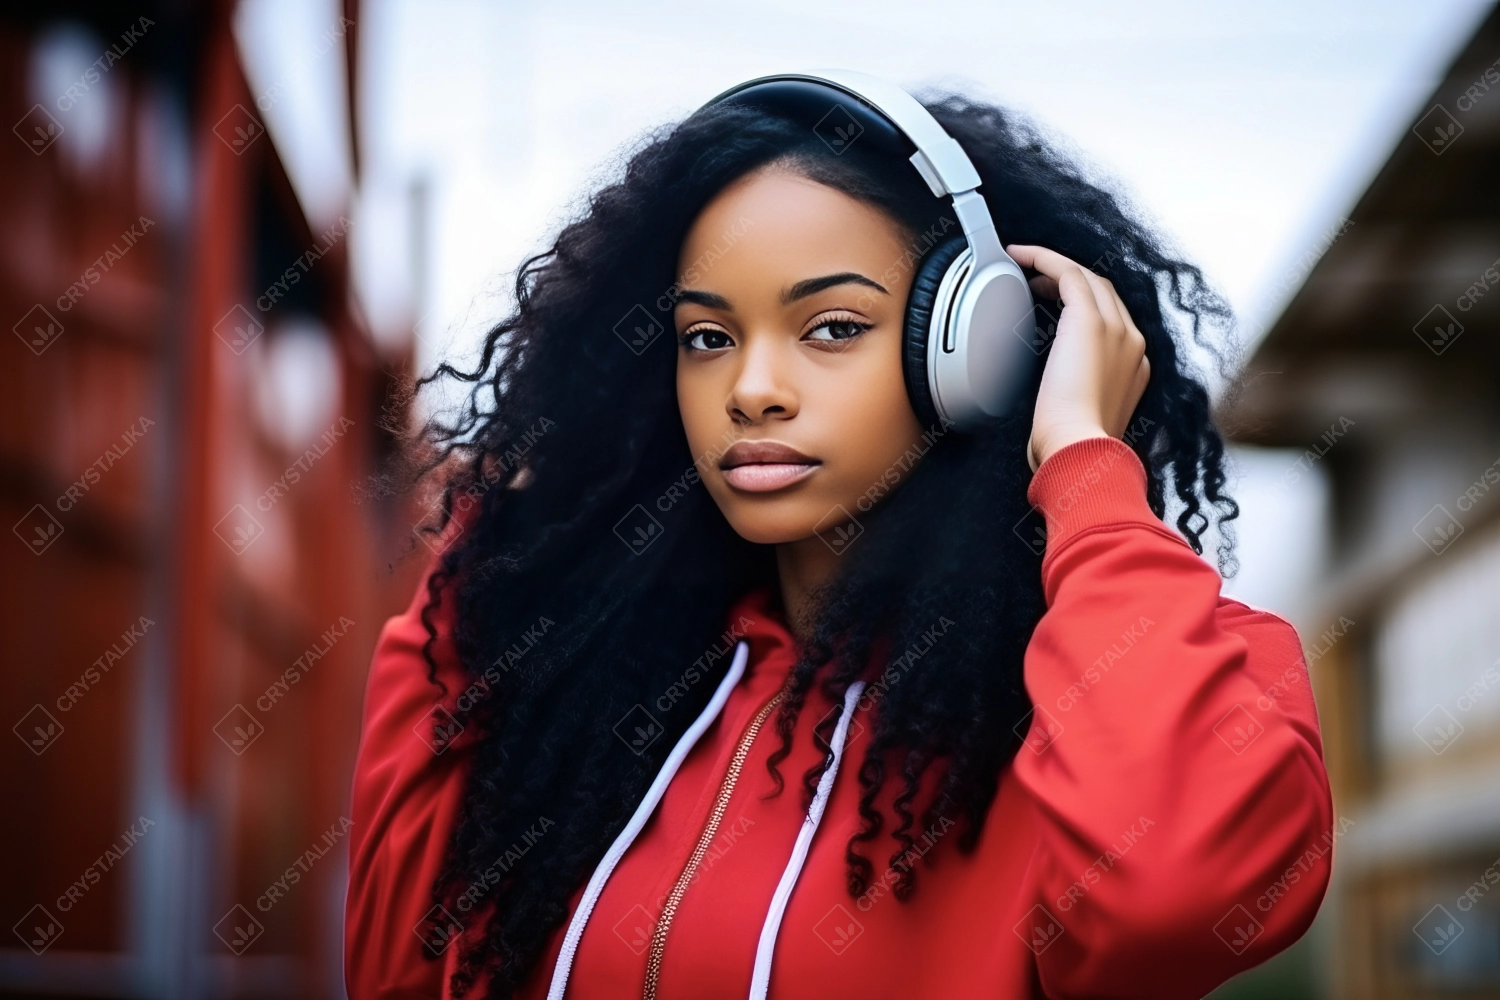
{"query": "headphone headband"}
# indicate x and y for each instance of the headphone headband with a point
(939, 158)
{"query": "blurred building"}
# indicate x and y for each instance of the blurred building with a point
(1383, 373)
(193, 581)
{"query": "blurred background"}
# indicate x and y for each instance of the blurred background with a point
(232, 230)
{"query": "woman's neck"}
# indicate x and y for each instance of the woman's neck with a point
(804, 567)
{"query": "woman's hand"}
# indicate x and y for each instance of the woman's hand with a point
(1097, 369)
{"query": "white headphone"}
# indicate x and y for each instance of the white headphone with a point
(970, 331)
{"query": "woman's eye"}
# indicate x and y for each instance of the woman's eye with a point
(837, 329)
(707, 339)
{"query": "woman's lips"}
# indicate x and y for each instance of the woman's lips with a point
(761, 477)
(763, 465)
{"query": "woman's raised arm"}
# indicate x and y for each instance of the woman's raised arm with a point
(1173, 753)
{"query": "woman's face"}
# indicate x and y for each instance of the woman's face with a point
(788, 319)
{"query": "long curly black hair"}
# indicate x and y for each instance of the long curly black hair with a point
(571, 423)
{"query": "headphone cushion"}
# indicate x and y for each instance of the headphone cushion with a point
(919, 305)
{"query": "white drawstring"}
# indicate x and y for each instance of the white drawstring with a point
(760, 981)
(642, 813)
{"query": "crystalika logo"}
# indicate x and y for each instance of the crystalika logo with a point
(239, 129)
(838, 929)
(838, 129)
(638, 329)
(38, 729)
(1438, 129)
(38, 929)
(238, 529)
(238, 729)
(639, 729)
(38, 129)
(1438, 329)
(238, 929)
(38, 529)
(638, 529)
(38, 329)
(437, 930)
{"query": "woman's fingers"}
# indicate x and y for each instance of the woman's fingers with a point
(1096, 370)
(1137, 340)
(1037, 258)
(1059, 278)
(1108, 301)
(1044, 282)
(1125, 314)
(1054, 271)
(1042, 286)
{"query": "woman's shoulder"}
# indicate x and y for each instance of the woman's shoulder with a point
(409, 779)
(415, 671)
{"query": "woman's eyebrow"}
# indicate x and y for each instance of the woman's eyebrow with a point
(706, 299)
(811, 286)
(801, 290)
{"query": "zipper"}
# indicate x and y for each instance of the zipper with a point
(700, 850)
(638, 819)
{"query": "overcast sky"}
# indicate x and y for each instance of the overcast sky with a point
(1245, 130)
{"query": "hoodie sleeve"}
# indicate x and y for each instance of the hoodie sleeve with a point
(408, 784)
(1185, 823)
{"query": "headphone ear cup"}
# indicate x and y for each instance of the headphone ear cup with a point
(918, 326)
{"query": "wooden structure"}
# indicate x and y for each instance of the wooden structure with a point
(194, 581)
(1384, 372)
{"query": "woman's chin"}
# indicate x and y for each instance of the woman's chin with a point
(772, 527)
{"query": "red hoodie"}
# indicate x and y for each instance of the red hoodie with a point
(1167, 824)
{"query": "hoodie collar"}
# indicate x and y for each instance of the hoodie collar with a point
(757, 617)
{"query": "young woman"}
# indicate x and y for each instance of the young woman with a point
(1031, 748)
